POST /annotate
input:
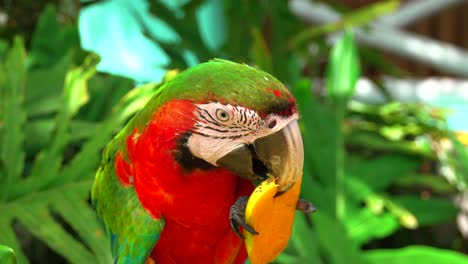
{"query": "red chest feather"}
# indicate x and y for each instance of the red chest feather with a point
(194, 204)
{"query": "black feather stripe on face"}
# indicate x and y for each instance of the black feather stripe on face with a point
(186, 159)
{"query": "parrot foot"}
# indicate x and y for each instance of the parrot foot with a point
(237, 217)
(305, 206)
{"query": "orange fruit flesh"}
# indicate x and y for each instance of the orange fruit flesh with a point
(272, 217)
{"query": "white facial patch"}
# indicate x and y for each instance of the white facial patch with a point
(220, 129)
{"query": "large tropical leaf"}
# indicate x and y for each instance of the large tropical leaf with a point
(416, 254)
(48, 197)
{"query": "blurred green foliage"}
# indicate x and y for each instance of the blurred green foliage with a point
(383, 177)
(57, 114)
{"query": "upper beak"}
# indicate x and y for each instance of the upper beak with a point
(279, 155)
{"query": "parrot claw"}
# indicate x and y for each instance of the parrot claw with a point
(237, 217)
(305, 206)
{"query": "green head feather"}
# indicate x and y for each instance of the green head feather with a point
(229, 82)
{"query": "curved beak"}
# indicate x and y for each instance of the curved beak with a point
(279, 155)
(283, 155)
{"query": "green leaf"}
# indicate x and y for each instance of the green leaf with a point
(303, 241)
(320, 130)
(4, 46)
(342, 73)
(12, 85)
(379, 173)
(372, 221)
(45, 87)
(39, 132)
(82, 218)
(9, 238)
(343, 70)
(335, 241)
(289, 259)
(51, 41)
(33, 210)
(53, 193)
(74, 96)
(415, 254)
(459, 162)
(85, 161)
(364, 225)
(105, 91)
(260, 53)
(434, 182)
(358, 190)
(50, 231)
(7, 255)
(369, 140)
(428, 211)
(76, 86)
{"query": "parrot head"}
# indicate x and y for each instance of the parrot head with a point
(241, 119)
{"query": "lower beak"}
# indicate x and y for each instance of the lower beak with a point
(279, 155)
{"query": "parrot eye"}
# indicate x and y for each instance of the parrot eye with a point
(222, 114)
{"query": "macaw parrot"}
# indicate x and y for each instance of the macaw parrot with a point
(173, 184)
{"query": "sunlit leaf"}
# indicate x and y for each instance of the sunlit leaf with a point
(12, 87)
(75, 94)
(460, 161)
(319, 127)
(7, 255)
(303, 241)
(435, 182)
(415, 254)
(428, 211)
(44, 87)
(364, 225)
(335, 241)
(379, 173)
(51, 40)
(260, 52)
(343, 70)
(52, 194)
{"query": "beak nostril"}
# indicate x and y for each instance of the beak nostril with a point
(272, 124)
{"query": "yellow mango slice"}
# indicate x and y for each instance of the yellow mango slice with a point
(272, 217)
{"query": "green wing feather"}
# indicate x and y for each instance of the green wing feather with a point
(133, 232)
